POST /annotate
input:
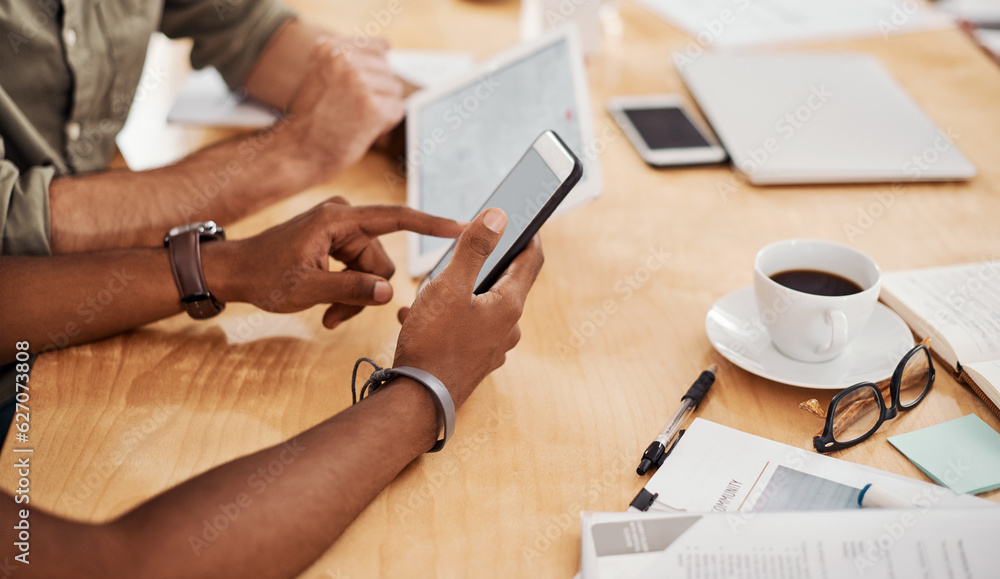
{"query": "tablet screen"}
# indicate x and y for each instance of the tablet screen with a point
(472, 137)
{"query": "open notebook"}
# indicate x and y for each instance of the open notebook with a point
(958, 306)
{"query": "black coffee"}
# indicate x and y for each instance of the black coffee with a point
(821, 283)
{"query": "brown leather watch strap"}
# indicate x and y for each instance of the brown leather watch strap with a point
(185, 262)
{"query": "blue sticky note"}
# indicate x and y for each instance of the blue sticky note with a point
(961, 454)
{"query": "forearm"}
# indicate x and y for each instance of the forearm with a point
(225, 182)
(62, 300)
(283, 64)
(329, 475)
(56, 301)
(265, 521)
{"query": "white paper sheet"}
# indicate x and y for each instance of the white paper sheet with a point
(427, 68)
(720, 469)
(870, 543)
(729, 23)
(205, 99)
(960, 302)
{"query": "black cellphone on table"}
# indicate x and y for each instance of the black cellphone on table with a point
(663, 132)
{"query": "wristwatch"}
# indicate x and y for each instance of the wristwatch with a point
(183, 243)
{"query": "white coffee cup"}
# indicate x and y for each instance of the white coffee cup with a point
(540, 16)
(807, 326)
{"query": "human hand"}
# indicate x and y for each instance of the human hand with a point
(349, 98)
(460, 337)
(287, 267)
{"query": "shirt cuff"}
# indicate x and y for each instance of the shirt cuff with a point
(24, 210)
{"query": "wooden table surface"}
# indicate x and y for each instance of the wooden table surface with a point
(560, 427)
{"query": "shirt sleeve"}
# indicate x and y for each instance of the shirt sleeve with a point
(24, 208)
(227, 34)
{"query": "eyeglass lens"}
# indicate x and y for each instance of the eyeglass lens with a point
(915, 378)
(856, 414)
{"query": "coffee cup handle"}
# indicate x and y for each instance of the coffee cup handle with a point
(838, 338)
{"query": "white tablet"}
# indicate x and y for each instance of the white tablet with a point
(464, 136)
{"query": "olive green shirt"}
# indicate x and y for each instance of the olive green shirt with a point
(69, 72)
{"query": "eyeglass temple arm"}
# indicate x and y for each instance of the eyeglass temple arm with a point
(813, 406)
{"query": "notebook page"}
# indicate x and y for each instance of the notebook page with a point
(961, 303)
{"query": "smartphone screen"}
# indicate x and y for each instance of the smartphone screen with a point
(666, 128)
(521, 195)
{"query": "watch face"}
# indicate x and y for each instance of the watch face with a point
(208, 227)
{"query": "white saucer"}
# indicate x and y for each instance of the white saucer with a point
(734, 328)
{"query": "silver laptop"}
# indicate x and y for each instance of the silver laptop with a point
(820, 118)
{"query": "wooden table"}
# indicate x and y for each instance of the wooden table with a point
(561, 426)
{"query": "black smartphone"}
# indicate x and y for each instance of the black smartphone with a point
(663, 132)
(546, 173)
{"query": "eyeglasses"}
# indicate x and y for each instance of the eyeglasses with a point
(857, 412)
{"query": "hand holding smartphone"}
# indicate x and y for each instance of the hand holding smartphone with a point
(540, 180)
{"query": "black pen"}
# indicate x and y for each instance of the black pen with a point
(658, 449)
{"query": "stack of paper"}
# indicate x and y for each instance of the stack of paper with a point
(923, 543)
(725, 499)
